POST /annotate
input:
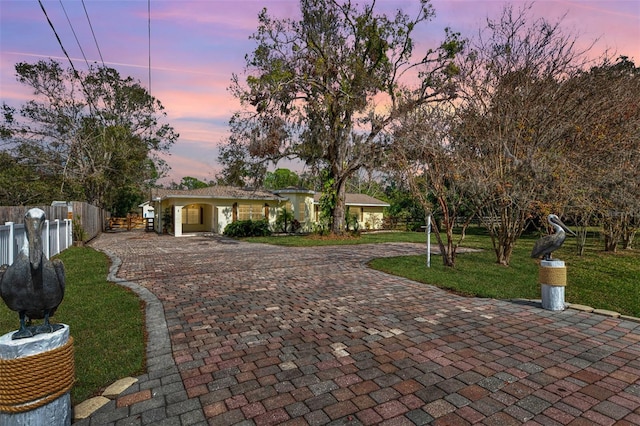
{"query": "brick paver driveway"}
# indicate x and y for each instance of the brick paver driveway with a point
(271, 335)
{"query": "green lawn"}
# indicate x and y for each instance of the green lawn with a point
(105, 320)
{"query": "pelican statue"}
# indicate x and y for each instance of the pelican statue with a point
(549, 243)
(33, 285)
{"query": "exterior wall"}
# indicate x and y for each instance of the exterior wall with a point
(309, 214)
(178, 207)
(373, 218)
(147, 210)
(301, 205)
(224, 217)
(274, 209)
(159, 222)
(177, 220)
(369, 217)
(216, 214)
(224, 212)
(204, 220)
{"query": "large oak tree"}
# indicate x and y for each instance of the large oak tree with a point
(325, 88)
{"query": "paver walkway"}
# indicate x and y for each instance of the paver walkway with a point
(268, 335)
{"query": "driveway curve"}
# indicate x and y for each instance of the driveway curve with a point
(263, 335)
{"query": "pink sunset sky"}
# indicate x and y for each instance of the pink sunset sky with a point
(197, 45)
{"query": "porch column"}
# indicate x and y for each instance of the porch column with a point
(177, 220)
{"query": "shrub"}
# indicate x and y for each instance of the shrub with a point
(247, 228)
(79, 234)
(352, 223)
(284, 220)
(322, 228)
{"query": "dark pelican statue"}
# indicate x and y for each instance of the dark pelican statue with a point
(549, 243)
(33, 285)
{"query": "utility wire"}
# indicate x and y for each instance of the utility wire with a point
(75, 72)
(149, 27)
(94, 34)
(74, 34)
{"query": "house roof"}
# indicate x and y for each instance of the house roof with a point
(234, 192)
(293, 190)
(217, 191)
(363, 200)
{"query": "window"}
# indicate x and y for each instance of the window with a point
(250, 212)
(192, 215)
(301, 211)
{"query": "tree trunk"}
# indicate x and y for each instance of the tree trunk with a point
(503, 240)
(612, 228)
(448, 255)
(339, 210)
(503, 253)
(629, 229)
(627, 240)
(610, 244)
(581, 239)
(449, 258)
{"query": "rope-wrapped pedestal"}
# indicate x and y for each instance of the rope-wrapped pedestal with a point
(36, 375)
(553, 279)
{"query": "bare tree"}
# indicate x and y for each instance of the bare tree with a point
(513, 120)
(604, 146)
(423, 154)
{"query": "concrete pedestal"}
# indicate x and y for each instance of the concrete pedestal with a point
(56, 412)
(553, 279)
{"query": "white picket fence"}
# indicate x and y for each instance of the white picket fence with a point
(57, 235)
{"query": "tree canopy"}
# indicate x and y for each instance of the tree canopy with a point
(325, 88)
(510, 125)
(603, 148)
(280, 179)
(91, 135)
(513, 117)
(537, 128)
(189, 182)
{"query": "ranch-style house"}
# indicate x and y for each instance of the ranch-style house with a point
(211, 209)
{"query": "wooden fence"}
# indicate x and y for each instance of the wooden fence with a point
(127, 223)
(16, 214)
(90, 219)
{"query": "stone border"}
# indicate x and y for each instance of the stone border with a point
(159, 354)
(159, 357)
(582, 308)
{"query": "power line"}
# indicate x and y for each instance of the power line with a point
(75, 72)
(74, 34)
(149, 26)
(94, 34)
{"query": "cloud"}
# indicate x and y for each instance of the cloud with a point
(185, 165)
(197, 45)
